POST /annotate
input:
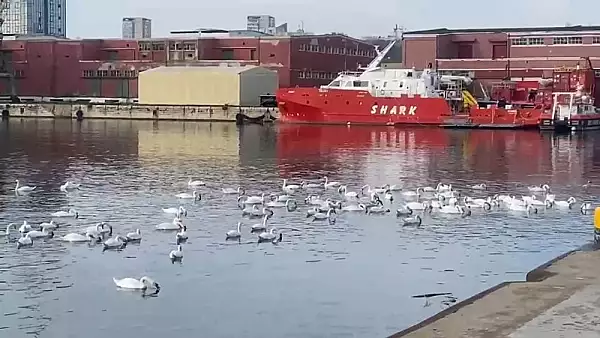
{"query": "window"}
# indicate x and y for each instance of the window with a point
(302, 48)
(465, 51)
(535, 41)
(314, 48)
(519, 42)
(329, 50)
(596, 40)
(227, 54)
(574, 40)
(301, 75)
(559, 41)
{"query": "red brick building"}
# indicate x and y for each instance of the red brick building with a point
(502, 52)
(109, 67)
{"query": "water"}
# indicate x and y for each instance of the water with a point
(355, 278)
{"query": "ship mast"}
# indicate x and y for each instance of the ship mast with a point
(381, 54)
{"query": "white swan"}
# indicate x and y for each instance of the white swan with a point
(305, 185)
(414, 221)
(235, 234)
(117, 242)
(319, 216)
(406, 211)
(99, 229)
(181, 211)
(68, 186)
(176, 255)
(135, 236)
(289, 188)
(480, 186)
(24, 241)
(541, 188)
(443, 187)
(181, 236)
(343, 190)
(256, 213)
(354, 207)
(24, 188)
(377, 209)
(174, 225)
(78, 238)
(44, 233)
(530, 209)
(192, 183)
(196, 196)
(231, 191)
(25, 227)
(269, 236)
(417, 205)
(7, 230)
(329, 184)
(252, 199)
(410, 194)
(377, 190)
(455, 210)
(260, 226)
(290, 204)
(565, 204)
(143, 283)
(71, 213)
(49, 225)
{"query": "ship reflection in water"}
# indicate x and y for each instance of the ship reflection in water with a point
(352, 278)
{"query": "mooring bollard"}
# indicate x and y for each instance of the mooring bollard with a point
(597, 225)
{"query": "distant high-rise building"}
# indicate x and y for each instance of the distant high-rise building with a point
(35, 17)
(261, 23)
(137, 28)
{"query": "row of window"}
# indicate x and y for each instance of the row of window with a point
(317, 75)
(148, 46)
(110, 73)
(558, 40)
(336, 50)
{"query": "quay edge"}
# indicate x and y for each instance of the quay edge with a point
(534, 307)
(136, 112)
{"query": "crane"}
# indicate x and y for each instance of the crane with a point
(4, 71)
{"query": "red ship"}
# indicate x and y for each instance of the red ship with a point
(384, 96)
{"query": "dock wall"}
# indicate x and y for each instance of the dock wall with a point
(134, 111)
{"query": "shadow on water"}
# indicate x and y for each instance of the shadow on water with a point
(356, 276)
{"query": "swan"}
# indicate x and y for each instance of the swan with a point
(536, 202)
(7, 230)
(174, 225)
(443, 187)
(377, 190)
(68, 186)
(343, 190)
(417, 205)
(181, 236)
(181, 211)
(117, 242)
(49, 225)
(71, 213)
(44, 233)
(143, 283)
(355, 207)
(455, 210)
(587, 185)
(289, 188)
(99, 229)
(260, 226)
(25, 227)
(252, 199)
(388, 195)
(415, 193)
(24, 188)
(406, 211)
(541, 188)
(290, 205)
(192, 183)
(231, 191)
(256, 213)
(280, 198)
(319, 216)
(394, 187)
(328, 184)
(195, 196)
(377, 209)
(135, 236)
(176, 255)
(314, 200)
(487, 206)
(24, 241)
(305, 185)
(234, 234)
(415, 220)
(269, 236)
(565, 204)
(481, 186)
(530, 209)
(78, 238)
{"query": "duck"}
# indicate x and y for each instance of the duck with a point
(70, 213)
(143, 283)
(44, 233)
(412, 221)
(7, 230)
(78, 238)
(260, 226)
(252, 199)
(565, 204)
(540, 188)
(290, 204)
(480, 186)
(234, 234)
(23, 188)
(332, 184)
(231, 191)
(181, 211)
(192, 183)
(68, 186)
(195, 195)
(176, 255)
(24, 241)
(116, 243)
(135, 236)
(269, 236)
(181, 236)
(173, 225)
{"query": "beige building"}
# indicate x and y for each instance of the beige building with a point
(234, 86)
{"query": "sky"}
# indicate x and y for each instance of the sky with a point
(87, 18)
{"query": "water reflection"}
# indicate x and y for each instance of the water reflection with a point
(355, 277)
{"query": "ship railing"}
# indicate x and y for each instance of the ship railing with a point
(350, 73)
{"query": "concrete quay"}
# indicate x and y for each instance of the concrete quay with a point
(134, 111)
(558, 299)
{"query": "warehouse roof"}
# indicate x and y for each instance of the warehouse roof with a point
(179, 69)
(566, 29)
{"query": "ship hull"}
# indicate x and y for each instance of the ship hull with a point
(575, 123)
(327, 106)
